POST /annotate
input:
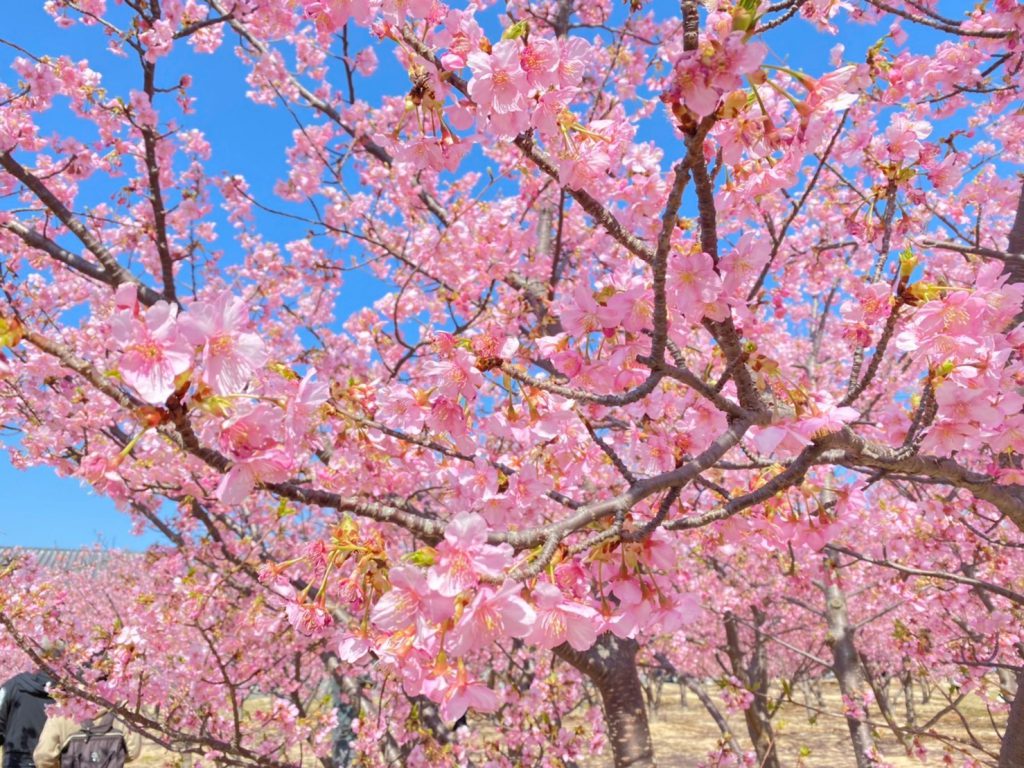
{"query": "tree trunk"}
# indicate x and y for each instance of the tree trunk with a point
(754, 676)
(1007, 679)
(1014, 268)
(907, 681)
(1015, 238)
(1007, 683)
(688, 681)
(819, 692)
(652, 684)
(346, 690)
(611, 666)
(806, 692)
(883, 701)
(1011, 751)
(846, 667)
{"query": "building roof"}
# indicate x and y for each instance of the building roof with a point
(56, 558)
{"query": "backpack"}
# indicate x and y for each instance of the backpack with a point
(96, 745)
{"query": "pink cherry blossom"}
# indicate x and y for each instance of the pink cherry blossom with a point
(499, 82)
(539, 59)
(455, 376)
(154, 353)
(561, 621)
(408, 599)
(585, 315)
(230, 354)
(693, 284)
(574, 54)
(964, 404)
(457, 691)
(334, 14)
(493, 613)
(309, 396)
(464, 556)
(250, 439)
(903, 137)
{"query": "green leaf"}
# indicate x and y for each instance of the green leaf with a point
(516, 31)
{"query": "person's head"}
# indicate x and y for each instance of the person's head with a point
(52, 650)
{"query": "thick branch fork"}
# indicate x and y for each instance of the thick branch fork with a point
(849, 449)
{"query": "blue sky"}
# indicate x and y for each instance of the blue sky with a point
(37, 508)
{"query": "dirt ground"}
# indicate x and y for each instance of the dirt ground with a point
(683, 736)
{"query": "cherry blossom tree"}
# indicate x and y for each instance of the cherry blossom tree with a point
(659, 311)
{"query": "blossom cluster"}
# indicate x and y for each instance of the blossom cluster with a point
(425, 618)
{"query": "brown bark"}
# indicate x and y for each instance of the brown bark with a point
(847, 669)
(907, 681)
(883, 700)
(1014, 267)
(691, 24)
(1011, 751)
(1007, 679)
(753, 673)
(1015, 244)
(611, 666)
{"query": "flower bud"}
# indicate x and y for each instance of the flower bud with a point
(516, 31)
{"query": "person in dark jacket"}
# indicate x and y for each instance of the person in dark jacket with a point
(23, 701)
